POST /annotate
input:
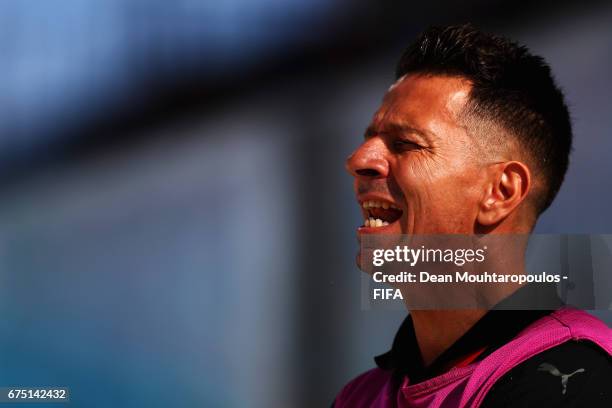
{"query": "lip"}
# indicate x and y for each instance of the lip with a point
(374, 230)
(361, 198)
(376, 197)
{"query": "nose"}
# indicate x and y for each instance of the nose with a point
(368, 161)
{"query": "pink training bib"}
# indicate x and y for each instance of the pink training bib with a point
(467, 386)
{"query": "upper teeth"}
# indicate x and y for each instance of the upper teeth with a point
(376, 204)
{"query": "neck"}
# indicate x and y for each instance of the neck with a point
(437, 330)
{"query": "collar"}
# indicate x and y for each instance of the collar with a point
(498, 326)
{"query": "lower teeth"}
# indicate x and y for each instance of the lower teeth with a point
(375, 222)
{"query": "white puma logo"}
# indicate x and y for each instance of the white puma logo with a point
(555, 371)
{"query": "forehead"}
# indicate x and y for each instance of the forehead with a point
(430, 103)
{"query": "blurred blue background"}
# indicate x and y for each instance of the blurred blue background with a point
(176, 226)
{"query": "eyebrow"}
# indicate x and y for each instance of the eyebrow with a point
(397, 127)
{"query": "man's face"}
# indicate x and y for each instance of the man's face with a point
(418, 171)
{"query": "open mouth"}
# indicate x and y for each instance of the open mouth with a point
(380, 213)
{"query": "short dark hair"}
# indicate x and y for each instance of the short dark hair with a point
(510, 86)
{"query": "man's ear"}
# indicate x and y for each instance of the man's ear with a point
(509, 184)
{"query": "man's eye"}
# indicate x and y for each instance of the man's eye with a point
(402, 145)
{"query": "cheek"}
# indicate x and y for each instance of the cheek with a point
(421, 177)
(438, 187)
